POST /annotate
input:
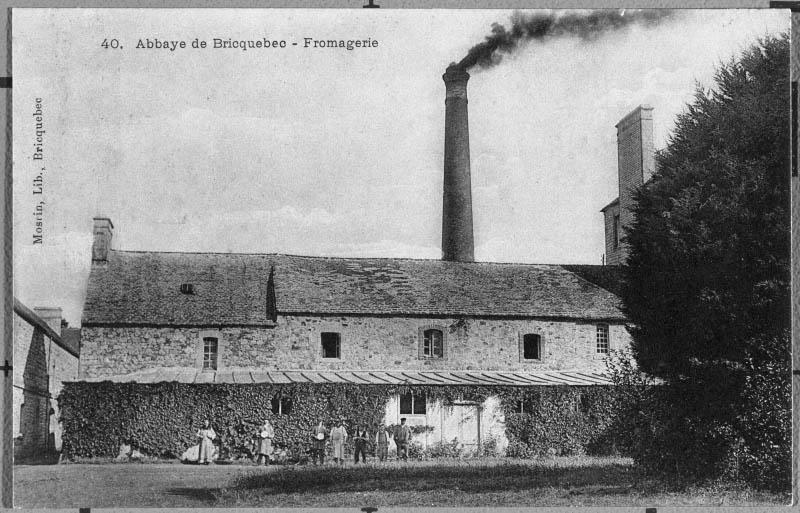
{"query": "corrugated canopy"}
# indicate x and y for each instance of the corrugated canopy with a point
(231, 289)
(362, 377)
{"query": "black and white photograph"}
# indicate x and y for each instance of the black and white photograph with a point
(395, 257)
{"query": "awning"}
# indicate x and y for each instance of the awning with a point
(361, 377)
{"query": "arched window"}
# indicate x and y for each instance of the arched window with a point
(433, 343)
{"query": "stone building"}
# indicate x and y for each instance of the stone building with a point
(270, 318)
(636, 163)
(45, 355)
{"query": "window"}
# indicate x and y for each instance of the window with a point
(585, 404)
(210, 353)
(187, 288)
(524, 406)
(433, 343)
(331, 345)
(616, 231)
(411, 404)
(531, 347)
(281, 405)
(602, 339)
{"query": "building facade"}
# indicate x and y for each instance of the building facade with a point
(45, 355)
(271, 318)
(200, 318)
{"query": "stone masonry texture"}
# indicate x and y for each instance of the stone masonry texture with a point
(40, 367)
(374, 343)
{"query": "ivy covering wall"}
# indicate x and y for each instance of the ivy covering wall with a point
(162, 419)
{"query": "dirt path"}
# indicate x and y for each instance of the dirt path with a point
(117, 485)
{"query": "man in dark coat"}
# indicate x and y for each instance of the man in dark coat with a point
(402, 437)
(360, 441)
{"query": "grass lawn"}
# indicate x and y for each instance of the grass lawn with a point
(569, 481)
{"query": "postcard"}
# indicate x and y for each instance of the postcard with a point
(375, 257)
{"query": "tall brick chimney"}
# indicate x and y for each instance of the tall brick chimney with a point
(457, 240)
(103, 231)
(636, 163)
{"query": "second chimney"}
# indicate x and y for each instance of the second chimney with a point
(103, 231)
(457, 240)
(51, 316)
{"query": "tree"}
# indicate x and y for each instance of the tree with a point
(707, 279)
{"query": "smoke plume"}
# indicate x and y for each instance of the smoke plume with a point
(532, 27)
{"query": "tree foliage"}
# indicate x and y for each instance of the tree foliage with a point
(707, 280)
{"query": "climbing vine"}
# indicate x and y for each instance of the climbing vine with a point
(161, 419)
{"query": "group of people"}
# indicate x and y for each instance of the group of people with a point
(262, 446)
(362, 438)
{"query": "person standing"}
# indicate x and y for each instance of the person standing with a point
(360, 441)
(205, 451)
(381, 442)
(402, 437)
(338, 439)
(319, 435)
(265, 436)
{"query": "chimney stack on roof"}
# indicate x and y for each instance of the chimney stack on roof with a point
(457, 239)
(51, 316)
(103, 231)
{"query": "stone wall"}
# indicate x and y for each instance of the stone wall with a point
(366, 343)
(613, 252)
(40, 367)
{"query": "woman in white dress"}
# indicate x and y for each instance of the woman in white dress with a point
(338, 439)
(265, 436)
(206, 435)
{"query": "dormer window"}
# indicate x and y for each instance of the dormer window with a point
(187, 288)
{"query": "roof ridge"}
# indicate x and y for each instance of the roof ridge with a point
(329, 257)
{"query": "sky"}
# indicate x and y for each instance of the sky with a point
(328, 151)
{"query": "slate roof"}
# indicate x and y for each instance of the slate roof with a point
(244, 376)
(70, 343)
(609, 277)
(72, 339)
(615, 202)
(230, 289)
